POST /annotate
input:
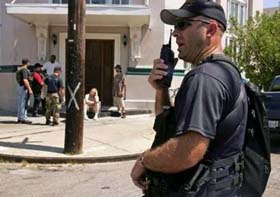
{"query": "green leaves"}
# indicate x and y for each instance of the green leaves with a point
(255, 47)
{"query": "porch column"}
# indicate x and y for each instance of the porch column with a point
(42, 37)
(147, 2)
(135, 40)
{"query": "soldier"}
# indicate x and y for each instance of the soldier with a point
(55, 96)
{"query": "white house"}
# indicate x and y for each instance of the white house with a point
(126, 32)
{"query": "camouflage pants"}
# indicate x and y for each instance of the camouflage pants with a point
(53, 107)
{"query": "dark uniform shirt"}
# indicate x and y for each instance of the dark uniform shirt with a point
(54, 83)
(22, 74)
(207, 94)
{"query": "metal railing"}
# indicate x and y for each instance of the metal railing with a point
(114, 2)
(104, 2)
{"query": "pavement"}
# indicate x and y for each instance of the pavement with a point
(106, 139)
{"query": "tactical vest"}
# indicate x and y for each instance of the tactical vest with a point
(208, 178)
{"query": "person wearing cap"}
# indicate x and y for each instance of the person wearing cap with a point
(24, 91)
(55, 96)
(180, 166)
(119, 90)
(37, 85)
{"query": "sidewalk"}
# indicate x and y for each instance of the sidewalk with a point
(107, 139)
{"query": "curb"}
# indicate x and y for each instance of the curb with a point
(72, 159)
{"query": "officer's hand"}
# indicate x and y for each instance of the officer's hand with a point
(137, 174)
(157, 73)
(30, 92)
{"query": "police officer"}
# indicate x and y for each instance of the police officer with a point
(37, 84)
(203, 158)
(55, 96)
(24, 91)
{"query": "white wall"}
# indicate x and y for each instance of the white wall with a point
(8, 92)
(1, 44)
(19, 40)
(152, 36)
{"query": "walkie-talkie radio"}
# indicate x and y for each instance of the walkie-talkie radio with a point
(167, 55)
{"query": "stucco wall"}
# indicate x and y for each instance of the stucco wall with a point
(140, 94)
(152, 36)
(18, 40)
(8, 92)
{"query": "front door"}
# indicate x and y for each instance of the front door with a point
(99, 69)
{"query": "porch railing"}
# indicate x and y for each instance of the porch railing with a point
(114, 2)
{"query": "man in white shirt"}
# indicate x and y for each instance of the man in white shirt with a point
(50, 65)
(92, 103)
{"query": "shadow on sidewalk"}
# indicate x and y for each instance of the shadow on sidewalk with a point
(31, 147)
(15, 122)
(8, 122)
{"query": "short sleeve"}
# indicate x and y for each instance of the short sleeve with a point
(25, 74)
(199, 105)
(61, 83)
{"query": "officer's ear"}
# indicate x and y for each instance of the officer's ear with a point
(212, 29)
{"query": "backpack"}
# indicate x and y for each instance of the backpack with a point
(19, 77)
(257, 163)
(256, 150)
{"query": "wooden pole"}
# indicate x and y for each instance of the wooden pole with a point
(75, 75)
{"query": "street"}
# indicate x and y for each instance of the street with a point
(104, 179)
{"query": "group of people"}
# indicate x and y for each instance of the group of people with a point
(93, 104)
(46, 86)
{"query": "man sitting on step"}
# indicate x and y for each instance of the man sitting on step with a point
(92, 104)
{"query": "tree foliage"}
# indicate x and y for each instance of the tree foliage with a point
(255, 47)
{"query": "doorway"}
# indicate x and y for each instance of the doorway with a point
(99, 68)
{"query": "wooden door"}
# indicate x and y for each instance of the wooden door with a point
(100, 68)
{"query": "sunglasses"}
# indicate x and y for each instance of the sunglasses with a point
(183, 24)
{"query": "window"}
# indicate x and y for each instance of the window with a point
(123, 2)
(237, 10)
(60, 1)
(120, 1)
(275, 85)
(96, 1)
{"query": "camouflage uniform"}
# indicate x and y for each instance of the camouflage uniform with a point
(53, 107)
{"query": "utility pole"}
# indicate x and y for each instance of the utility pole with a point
(75, 75)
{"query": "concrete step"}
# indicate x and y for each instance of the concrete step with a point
(107, 111)
(112, 111)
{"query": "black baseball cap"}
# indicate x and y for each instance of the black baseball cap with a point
(193, 8)
(38, 65)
